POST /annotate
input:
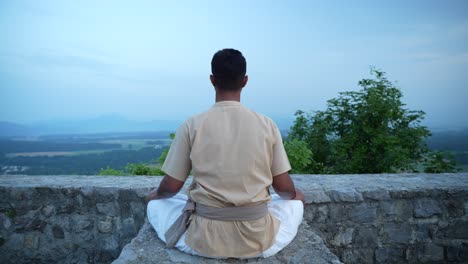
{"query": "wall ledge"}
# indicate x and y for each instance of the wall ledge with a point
(369, 218)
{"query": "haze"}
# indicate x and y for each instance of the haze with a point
(147, 60)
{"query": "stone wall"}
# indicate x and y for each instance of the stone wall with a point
(413, 218)
(392, 218)
(68, 219)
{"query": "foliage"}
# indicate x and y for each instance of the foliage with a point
(163, 156)
(365, 131)
(299, 155)
(133, 169)
(439, 161)
(111, 171)
(140, 168)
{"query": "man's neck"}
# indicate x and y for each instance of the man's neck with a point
(227, 96)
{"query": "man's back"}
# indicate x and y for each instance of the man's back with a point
(231, 151)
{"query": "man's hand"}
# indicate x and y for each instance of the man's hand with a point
(300, 196)
(167, 188)
(284, 187)
(153, 195)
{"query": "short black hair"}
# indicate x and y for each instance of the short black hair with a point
(228, 67)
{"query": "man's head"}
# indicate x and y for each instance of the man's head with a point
(228, 68)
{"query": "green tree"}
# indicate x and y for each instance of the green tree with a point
(439, 161)
(365, 131)
(299, 155)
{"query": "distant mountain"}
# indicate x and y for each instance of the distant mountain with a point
(101, 124)
(9, 129)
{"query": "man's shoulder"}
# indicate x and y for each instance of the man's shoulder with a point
(259, 118)
(262, 119)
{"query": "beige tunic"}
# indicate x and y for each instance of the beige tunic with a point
(233, 154)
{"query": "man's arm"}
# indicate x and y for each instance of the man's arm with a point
(284, 187)
(167, 188)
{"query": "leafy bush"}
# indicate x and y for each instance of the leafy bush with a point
(368, 131)
(439, 161)
(110, 171)
(299, 155)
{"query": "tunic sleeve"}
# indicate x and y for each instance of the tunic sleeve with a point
(178, 164)
(280, 163)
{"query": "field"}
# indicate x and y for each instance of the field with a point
(80, 154)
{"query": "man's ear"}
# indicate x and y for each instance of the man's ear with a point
(244, 81)
(212, 79)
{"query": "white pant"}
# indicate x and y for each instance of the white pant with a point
(164, 212)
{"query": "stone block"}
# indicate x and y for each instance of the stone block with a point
(138, 210)
(14, 241)
(70, 193)
(345, 195)
(422, 232)
(31, 241)
(316, 196)
(88, 192)
(457, 252)
(397, 233)
(377, 195)
(82, 223)
(456, 229)
(105, 226)
(454, 207)
(142, 192)
(396, 210)
(57, 231)
(48, 210)
(108, 243)
(338, 212)
(28, 224)
(430, 252)
(366, 237)
(425, 207)
(67, 207)
(363, 213)
(128, 195)
(389, 255)
(128, 229)
(316, 213)
(106, 194)
(107, 208)
(358, 255)
(344, 236)
(5, 221)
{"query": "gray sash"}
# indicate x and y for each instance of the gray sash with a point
(236, 213)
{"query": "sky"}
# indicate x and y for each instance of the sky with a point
(150, 60)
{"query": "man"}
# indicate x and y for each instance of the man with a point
(234, 155)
